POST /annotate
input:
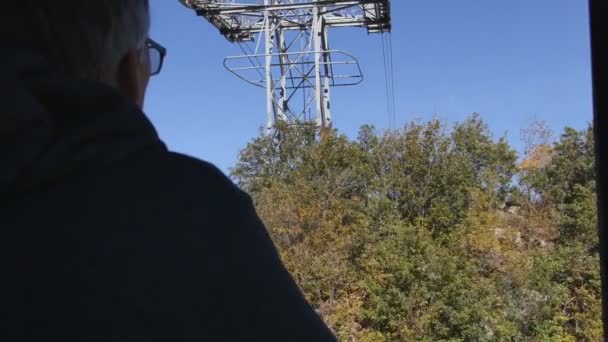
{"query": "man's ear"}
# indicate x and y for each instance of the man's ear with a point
(129, 77)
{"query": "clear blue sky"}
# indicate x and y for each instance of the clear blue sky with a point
(511, 61)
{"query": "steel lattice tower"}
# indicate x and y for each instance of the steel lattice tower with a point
(296, 67)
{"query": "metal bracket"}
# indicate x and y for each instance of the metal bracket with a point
(302, 67)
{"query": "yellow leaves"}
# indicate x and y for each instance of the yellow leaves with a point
(425, 234)
(503, 241)
(344, 314)
(538, 157)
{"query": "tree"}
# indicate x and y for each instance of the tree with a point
(414, 234)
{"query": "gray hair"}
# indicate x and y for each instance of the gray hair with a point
(83, 38)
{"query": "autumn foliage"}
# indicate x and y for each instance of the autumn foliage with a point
(434, 233)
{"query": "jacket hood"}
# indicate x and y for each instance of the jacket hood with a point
(52, 126)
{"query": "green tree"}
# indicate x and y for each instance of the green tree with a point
(432, 233)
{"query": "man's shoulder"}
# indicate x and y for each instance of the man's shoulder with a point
(194, 177)
(198, 172)
(173, 194)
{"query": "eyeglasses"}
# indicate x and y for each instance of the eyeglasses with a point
(156, 53)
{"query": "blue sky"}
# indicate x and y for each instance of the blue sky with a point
(511, 61)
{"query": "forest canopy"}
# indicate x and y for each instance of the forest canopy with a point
(435, 232)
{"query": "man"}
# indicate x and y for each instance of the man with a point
(107, 236)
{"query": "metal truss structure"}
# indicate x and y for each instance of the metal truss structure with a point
(296, 67)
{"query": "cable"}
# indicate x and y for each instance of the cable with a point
(386, 81)
(392, 79)
(389, 79)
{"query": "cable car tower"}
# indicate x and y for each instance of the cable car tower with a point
(286, 51)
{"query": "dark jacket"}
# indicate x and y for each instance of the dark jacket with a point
(108, 236)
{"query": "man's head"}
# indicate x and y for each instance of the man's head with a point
(100, 40)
